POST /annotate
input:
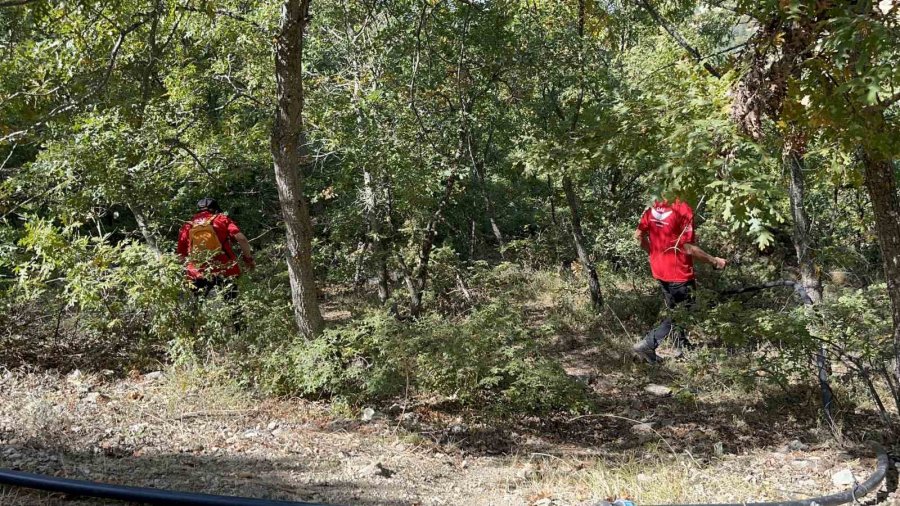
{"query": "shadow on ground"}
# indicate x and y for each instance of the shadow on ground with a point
(221, 475)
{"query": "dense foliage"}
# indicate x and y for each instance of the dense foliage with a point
(457, 152)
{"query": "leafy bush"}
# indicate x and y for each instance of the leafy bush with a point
(487, 360)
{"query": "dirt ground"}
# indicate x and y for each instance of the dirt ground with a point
(190, 432)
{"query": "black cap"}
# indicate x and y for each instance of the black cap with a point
(208, 204)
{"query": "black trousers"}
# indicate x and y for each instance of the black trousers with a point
(229, 290)
(675, 294)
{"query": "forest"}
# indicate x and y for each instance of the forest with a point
(440, 285)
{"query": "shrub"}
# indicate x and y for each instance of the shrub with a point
(486, 360)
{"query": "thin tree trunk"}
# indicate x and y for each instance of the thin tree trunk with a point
(478, 169)
(359, 275)
(141, 220)
(374, 225)
(552, 202)
(288, 146)
(571, 197)
(882, 186)
(578, 237)
(137, 209)
(793, 159)
(416, 283)
(473, 237)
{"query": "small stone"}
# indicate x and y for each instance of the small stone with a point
(719, 449)
(798, 446)
(642, 428)
(843, 478)
(367, 414)
(658, 390)
(251, 434)
(153, 376)
(643, 478)
(272, 426)
(92, 397)
(376, 469)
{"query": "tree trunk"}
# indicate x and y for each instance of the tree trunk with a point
(882, 186)
(288, 146)
(478, 171)
(792, 157)
(374, 224)
(141, 220)
(416, 284)
(578, 236)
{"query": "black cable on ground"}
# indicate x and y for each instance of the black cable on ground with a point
(852, 495)
(133, 494)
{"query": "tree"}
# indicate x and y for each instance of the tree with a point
(288, 149)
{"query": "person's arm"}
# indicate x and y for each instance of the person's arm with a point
(641, 238)
(641, 233)
(235, 234)
(246, 252)
(695, 251)
(183, 243)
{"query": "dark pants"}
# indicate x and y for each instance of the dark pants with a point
(225, 286)
(229, 290)
(675, 294)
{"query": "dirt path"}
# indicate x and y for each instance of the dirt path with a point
(162, 430)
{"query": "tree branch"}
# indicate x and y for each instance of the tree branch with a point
(670, 65)
(891, 101)
(678, 38)
(227, 14)
(15, 3)
(115, 55)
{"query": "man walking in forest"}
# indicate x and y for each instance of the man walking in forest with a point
(205, 244)
(666, 233)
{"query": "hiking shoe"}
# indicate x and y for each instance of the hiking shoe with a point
(645, 352)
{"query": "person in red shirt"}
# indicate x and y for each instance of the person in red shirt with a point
(205, 245)
(666, 233)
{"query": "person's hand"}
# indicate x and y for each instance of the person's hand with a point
(719, 263)
(249, 262)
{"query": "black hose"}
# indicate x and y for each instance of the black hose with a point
(133, 494)
(799, 289)
(852, 495)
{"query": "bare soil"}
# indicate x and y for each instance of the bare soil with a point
(188, 431)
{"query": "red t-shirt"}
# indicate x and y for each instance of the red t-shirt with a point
(223, 264)
(670, 226)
